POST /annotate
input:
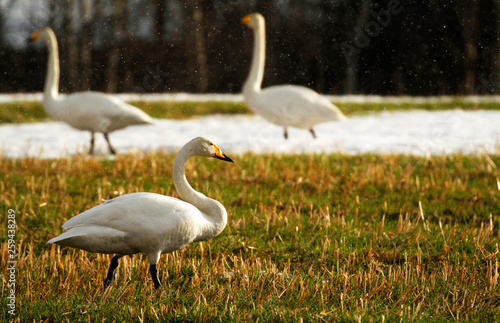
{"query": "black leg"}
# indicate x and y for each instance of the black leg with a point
(311, 130)
(286, 133)
(91, 151)
(111, 149)
(111, 271)
(154, 276)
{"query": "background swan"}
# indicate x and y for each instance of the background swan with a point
(92, 111)
(284, 105)
(150, 223)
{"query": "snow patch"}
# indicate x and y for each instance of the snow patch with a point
(409, 132)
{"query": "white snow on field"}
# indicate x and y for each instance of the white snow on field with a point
(180, 97)
(411, 132)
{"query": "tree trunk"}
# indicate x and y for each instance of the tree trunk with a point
(112, 72)
(200, 48)
(159, 21)
(86, 46)
(496, 60)
(70, 64)
(468, 15)
(351, 83)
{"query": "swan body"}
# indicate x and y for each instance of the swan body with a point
(283, 105)
(91, 111)
(95, 112)
(148, 223)
(118, 226)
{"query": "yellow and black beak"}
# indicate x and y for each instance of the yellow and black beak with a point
(33, 36)
(246, 20)
(220, 155)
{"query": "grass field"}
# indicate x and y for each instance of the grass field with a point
(309, 238)
(18, 112)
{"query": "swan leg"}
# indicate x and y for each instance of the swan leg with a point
(91, 151)
(311, 130)
(111, 271)
(111, 149)
(286, 133)
(154, 275)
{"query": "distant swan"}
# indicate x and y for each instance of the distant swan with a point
(92, 111)
(284, 105)
(150, 223)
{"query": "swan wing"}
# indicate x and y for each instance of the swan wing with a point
(135, 210)
(297, 106)
(148, 222)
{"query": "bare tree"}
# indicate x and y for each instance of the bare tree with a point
(69, 39)
(159, 22)
(196, 57)
(496, 60)
(352, 69)
(119, 19)
(200, 48)
(467, 12)
(86, 45)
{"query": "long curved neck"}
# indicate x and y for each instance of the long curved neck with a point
(214, 212)
(254, 80)
(51, 88)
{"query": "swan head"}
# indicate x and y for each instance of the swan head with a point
(205, 147)
(45, 34)
(253, 20)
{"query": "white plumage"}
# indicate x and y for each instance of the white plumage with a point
(91, 111)
(150, 223)
(284, 105)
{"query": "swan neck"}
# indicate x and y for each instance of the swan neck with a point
(254, 80)
(186, 192)
(51, 88)
(214, 211)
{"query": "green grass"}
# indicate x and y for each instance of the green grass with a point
(186, 110)
(22, 112)
(309, 237)
(363, 108)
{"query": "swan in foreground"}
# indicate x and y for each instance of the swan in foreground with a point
(284, 105)
(150, 223)
(92, 111)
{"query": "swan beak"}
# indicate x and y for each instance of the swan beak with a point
(220, 155)
(33, 36)
(246, 20)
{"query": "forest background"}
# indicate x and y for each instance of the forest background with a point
(385, 47)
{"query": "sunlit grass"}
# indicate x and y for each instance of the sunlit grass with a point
(21, 112)
(312, 237)
(186, 110)
(362, 108)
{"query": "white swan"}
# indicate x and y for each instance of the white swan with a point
(150, 223)
(284, 105)
(92, 111)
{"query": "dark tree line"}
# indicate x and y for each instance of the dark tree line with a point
(387, 47)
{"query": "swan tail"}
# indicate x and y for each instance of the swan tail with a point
(338, 115)
(143, 118)
(135, 114)
(90, 238)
